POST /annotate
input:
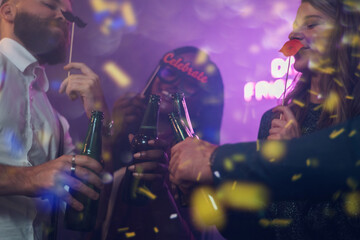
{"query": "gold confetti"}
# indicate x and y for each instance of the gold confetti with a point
(333, 116)
(117, 74)
(299, 103)
(146, 192)
(228, 165)
(349, 97)
(206, 209)
(352, 183)
(210, 69)
(338, 82)
(130, 234)
(233, 186)
(238, 157)
(336, 195)
(273, 150)
(201, 58)
(106, 156)
(156, 230)
(245, 196)
(296, 177)
(312, 162)
(352, 133)
(257, 145)
(352, 204)
(317, 107)
(313, 92)
(288, 124)
(336, 133)
(123, 229)
(198, 177)
(277, 222)
(331, 102)
(128, 14)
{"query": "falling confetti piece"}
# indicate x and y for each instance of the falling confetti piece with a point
(273, 150)
(128, 14)
(317, 107)
(205, 208)
(228, 165)
(334, 116)
(336, 195)
(349, 97)
(238, 157)
(296, 177)
(352, 204)
(201, 58)
(331, 102)
(288, 124)
(130, 234)
(118, 75)
(291, 47)
(312, 162)
(156, 230)
(243, 196)
(336, 133)
(299, 103)
(123, 229)
(198, 177)
(338, 82)
(146, 192)
(352, 133)
(352, 183)
(257, 145)
(313, 92)
(277, 222)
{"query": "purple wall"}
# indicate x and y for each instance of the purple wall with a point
(241, 36)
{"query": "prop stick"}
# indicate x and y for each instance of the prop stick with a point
(143, 92)
(289, 49)
(71, 44)
(74, 20)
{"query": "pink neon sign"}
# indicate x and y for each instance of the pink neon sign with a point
(271, 89)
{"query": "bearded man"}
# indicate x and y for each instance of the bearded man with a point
(35, 146)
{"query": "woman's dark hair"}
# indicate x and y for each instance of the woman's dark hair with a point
(343, 82)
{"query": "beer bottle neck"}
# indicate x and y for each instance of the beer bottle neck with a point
(149, 123)
(93, 144)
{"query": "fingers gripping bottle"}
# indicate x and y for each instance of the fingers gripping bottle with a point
(85, 220)
(138, 191)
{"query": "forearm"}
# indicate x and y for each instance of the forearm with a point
(313, 166)
(13, 180)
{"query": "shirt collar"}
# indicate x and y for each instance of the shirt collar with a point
(23, 59)
(16, 53)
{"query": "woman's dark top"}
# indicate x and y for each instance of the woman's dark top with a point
(309, 204)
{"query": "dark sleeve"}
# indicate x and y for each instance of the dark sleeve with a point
(322, 162)
(265, 124)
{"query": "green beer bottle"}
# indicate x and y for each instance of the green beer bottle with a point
(181, 132)
(85, 220)
(181, 110)
(147, 131)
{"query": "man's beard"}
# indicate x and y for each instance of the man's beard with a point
(38, 36)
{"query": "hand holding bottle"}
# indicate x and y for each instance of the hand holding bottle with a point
(156, 165)
(184, 169)
(50, 177)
